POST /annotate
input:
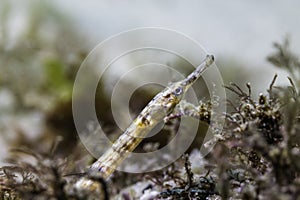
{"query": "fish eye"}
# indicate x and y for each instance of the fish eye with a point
(178, 91)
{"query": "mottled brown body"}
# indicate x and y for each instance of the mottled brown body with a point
(161, 106)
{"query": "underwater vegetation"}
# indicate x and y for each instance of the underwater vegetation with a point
(256, 156)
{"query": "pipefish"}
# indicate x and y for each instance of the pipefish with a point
(160, 107)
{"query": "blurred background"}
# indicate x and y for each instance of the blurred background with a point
(43, 43)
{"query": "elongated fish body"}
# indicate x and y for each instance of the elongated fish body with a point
(157, 109)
